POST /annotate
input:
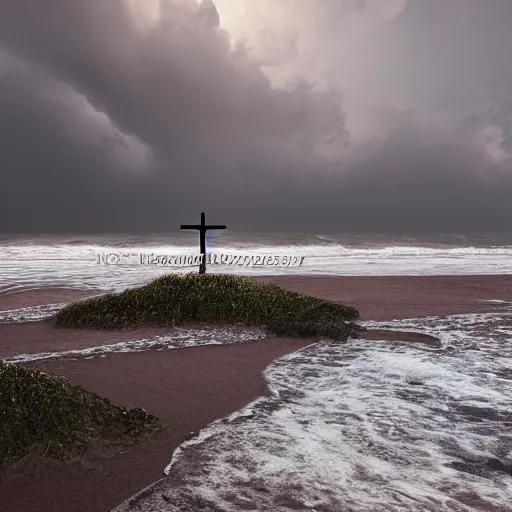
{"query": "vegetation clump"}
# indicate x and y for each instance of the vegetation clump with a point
(177, 300)
(39, 410)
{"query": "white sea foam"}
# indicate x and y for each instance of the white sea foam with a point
(363, 426)
(30, 314)
(75, 265)
(178, 338)
(366, 425)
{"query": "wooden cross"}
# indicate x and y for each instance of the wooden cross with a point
(203, 228)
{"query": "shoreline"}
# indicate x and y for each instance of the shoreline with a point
(200, 384)
(378, 298)
(23, 297)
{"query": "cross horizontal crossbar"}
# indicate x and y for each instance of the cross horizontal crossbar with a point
(202, 226)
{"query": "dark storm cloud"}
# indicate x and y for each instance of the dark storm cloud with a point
(220, 137)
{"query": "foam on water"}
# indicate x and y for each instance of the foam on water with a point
(75, 265)
(178, 338)
(360, 426)
(30, 314)
(363, 426)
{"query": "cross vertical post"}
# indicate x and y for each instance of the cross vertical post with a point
(202, 228)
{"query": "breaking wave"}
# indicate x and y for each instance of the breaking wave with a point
(363, 426)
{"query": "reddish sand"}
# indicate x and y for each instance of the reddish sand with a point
(189, 388)
(25, 297)
(388, 298)
(186, 388)
(35, 337)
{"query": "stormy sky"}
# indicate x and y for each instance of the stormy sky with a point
(270, 115)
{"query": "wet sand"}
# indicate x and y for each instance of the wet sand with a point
(399, 297)
(23, 297)
(189, 388)
(377, 298)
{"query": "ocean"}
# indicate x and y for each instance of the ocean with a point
(361, 426)
(72, 260)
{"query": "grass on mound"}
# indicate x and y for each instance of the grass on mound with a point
(41, 411)
(176, 300)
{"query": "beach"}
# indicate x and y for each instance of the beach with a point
(341, 171)
(188, 388)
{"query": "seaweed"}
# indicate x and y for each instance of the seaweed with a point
(38, 410)
(176, 300)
